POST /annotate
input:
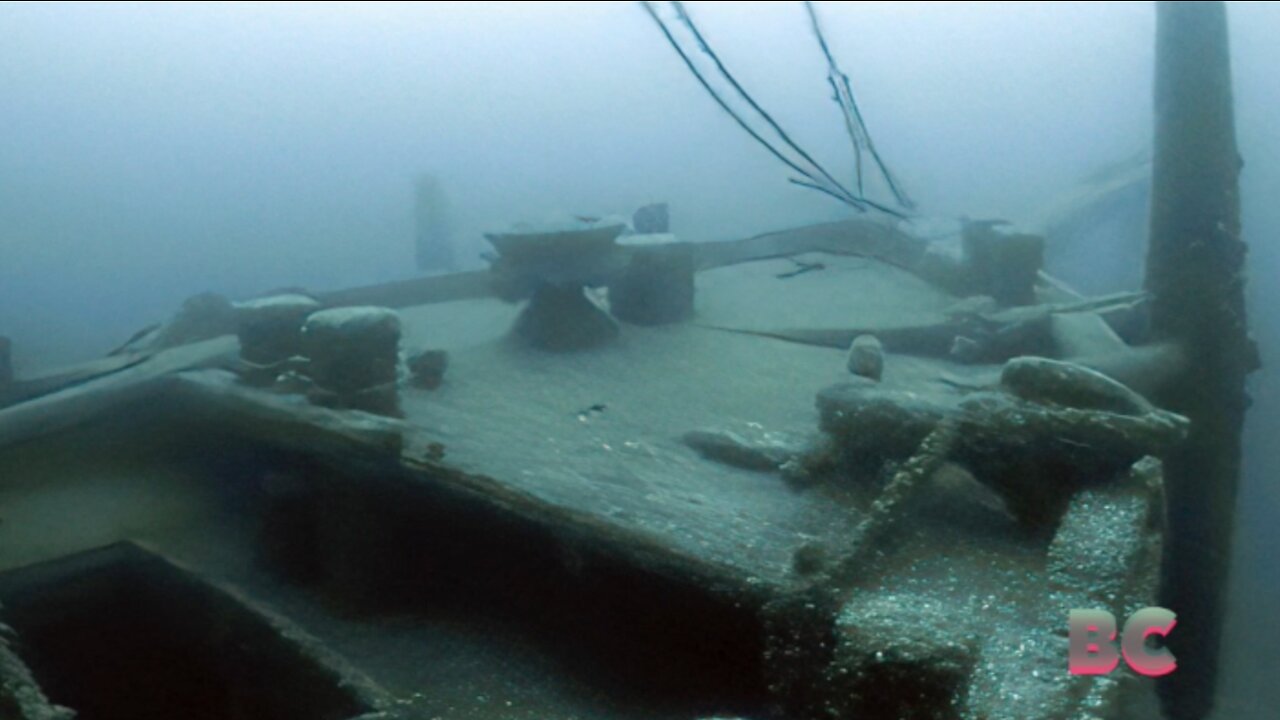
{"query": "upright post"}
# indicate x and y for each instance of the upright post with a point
(1195, 265)
(433, 232)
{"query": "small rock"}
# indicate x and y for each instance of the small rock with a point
(731, 449)
(270, 329)
(866, 357)
(428, 367)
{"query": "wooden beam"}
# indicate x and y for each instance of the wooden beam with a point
(1195, 264)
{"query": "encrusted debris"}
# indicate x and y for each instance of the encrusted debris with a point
(1082, 429)
(1053, 382)
(764, 454)
(428, 367)
(866, 357)
(20, 696)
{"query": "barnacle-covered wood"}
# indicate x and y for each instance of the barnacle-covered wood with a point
(1034, 453)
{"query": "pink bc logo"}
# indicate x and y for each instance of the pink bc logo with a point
(1092, 635)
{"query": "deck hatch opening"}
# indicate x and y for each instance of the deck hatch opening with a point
(120, 633)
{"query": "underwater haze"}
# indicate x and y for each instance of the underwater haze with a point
(153, 151)
(150, 152)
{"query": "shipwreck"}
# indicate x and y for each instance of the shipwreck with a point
(837, 471)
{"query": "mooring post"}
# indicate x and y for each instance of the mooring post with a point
(433, 236)
(1195, 266)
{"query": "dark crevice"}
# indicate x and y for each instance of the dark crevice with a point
(120, 634)
(381, 544)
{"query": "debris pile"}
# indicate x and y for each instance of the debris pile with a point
(1050, 429)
